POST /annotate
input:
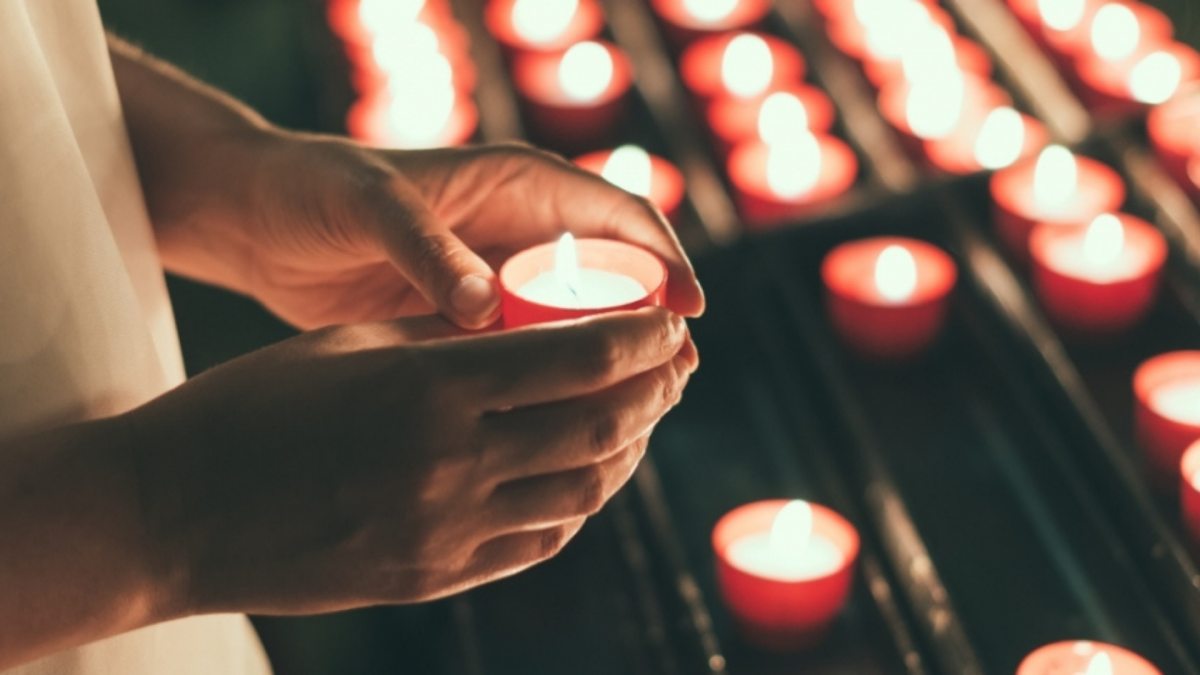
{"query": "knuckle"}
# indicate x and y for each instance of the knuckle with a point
(600, 357)
(551, 541)
(591, 495)
(606, 433)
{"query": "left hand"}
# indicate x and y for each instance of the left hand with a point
(331, 232)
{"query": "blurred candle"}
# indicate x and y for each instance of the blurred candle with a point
(685, 21)
(788, 178)
(733, 120)
(880, 29)
(433, 118)
(1152, 75)
(742, 65)
(1167, 411)
(999, 140)
(1174, 131)
(938, 105)
(634, 170)
(1088, 658)
(574, 99)
(542, 25)
(939, 50)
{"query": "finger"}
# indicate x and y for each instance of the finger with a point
(580, 432)
(451, 277)
(543, 501)
(552, 362)
(509, 554)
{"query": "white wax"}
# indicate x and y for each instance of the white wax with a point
(596, 289)
(753, 554)
(1178, 401)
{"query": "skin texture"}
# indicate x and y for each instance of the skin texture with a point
(390, 455)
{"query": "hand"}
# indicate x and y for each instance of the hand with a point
(333, 232)
(374, 463)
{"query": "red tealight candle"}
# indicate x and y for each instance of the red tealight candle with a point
(685, 21)
(733, 120)
(784, 570)
(1097, 279)
(1174, 130)
(571, 279)
(1114, 30)
(440, 120)
(542, 25)
(634, 170)
(789, 178)
(860, 39)
(1000, 139)
(1167, 410)
(968, 55)
(1189, 491)
(576, 97)
(1149, 77)
(743, 65)
(887, 296)
(1056, 187)
(1085, 658)
(938, 105)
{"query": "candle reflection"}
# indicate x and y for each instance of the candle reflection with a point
(895, 274)
(747, 66)
(585, 71)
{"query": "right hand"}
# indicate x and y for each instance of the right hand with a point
(371, 464)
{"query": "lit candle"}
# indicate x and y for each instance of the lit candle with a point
(685, 21)
(1150, 76)
(634, 170)
(573, 278)
(887, 296)
(429, 118)
(1088, 658)
(574, 98)
(999, 140)
(784, 569)
(542, 25)
(878, 30)
(1189, 491)
(1167, 411)
(938, 51)
(1056, 187)
(1174, 131)
(742, 65)
(938, 105)
(1099, 279)
(733, 120)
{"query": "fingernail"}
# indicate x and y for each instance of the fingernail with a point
(474, 297)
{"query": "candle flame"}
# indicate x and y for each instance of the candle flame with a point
(1115, 32)
(895, 273)
(747, 65)
(794, 165)
(542, 21)
(934, 107)
(585, 71)
(1104, 241)
(781, 117)
(931, 56)
(380, 16)
(1055, 178)
(710, 11)
(1156, 78)
(1062, 15)
(1001, 139)
(792, 529)
(417, 116)
(900, 27)
(629, 168)
(1100, 664)
(566, 263)
(401, 52)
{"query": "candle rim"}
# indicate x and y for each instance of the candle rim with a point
(746, 157)
(667, 185)
(1138, 233)
(532, 70)
(527, 264)
(1162, 370)
(841, 275)
(1124, 659)
(586, 24)
(700, 63)
(1189, 465)
(757, 516)
(1012, 189)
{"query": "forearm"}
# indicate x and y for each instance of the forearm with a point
(75, 561)
(195, 150)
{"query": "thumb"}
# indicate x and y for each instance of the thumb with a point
(435, 261)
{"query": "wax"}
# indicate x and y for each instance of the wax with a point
(1165, 421)
(595, 289)
(1078, 657)
(753, 554)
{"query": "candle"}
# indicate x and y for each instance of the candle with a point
(938, 47)
(1051, 21)
(1086, 658)
(1098, 279)
(542, 25)
(732, 120)
(577, 278)
(359, 22)
(880, 30)
(997, 141)
(838, 11)
(414, 51)
(887, 296)
(634, 170)
(784, 569)
(1149, 77)
(685, 21)
(1055, 187)
(1174, 131)
(1167, 411)
(742, 65)
(435, 117)
(789, 177)
(938, 105)
(574, 98)
(1189, 491)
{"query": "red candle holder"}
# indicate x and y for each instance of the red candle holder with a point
(586, 24)
(774, 613)
(969, 55)
(665, 187)
(1072, 657)
(1189, 492)
(1109, 89)
(601, 254)
(566, 121)
(979, 98)
(369, 121)
(701, 64)
(850, 35)
(761, 206)
(1174, 133)
(1097, 298)
(868, 320)
(732, 120)
(1167, 411)
(1016, 210)
(960, 153)
(681, 27)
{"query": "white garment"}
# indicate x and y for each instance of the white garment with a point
(86, 328)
